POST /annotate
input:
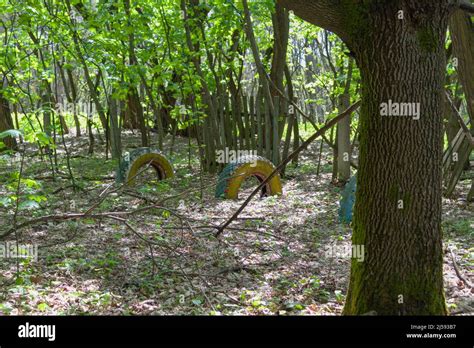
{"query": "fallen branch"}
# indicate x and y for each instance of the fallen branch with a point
(463, 126)
(458, 272)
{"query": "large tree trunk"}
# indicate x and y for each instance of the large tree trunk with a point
(398, 202)
(397, 214)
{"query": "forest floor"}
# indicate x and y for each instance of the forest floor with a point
(163, 260)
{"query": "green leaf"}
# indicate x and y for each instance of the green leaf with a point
(11, 133)
(6, 308)
(196, 301)
(31, 183)
(28, 205)
(5, 201)
(43, 306)
(256, 303)
(299, 306)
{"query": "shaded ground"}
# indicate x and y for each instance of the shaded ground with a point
(273, 260)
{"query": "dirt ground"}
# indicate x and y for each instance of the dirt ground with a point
(275, 259)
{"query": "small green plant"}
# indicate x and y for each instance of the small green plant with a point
(30, 195)
(339, 296)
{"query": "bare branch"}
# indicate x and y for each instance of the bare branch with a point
(326, 14)
(466, 6)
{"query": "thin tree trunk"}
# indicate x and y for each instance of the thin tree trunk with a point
(6, 121)
(344, 133)
(462, 33)
(263, 80)
(470, 195)
(71, 94)
(134, 105)
(205, 90)
(115, 138)
(92, 87)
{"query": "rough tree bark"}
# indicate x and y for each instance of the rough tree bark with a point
(397, 214)
(462, 34)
